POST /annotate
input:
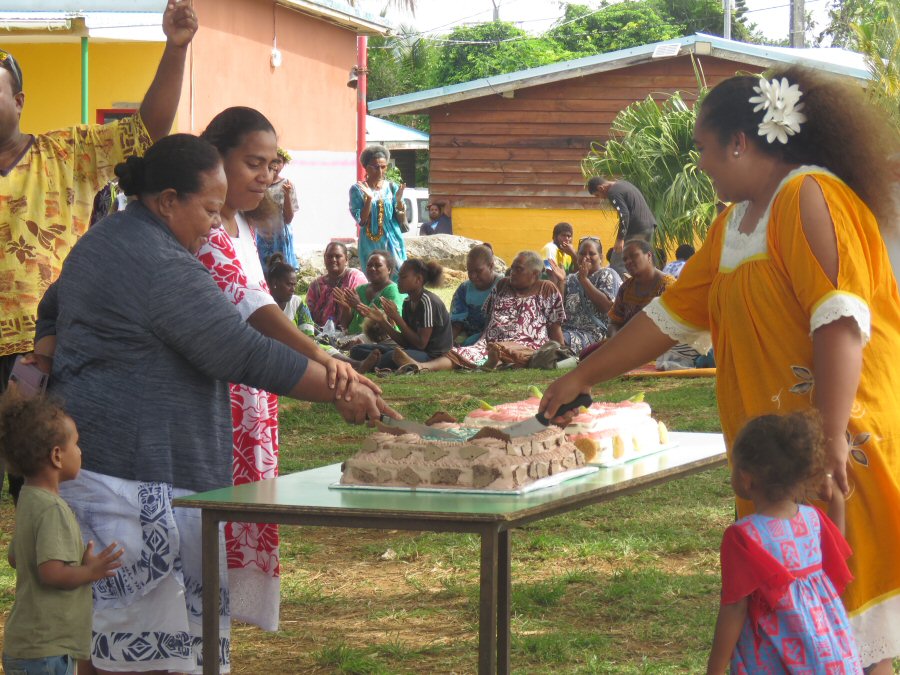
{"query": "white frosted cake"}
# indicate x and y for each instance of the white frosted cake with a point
(489, 463)
(607, 433)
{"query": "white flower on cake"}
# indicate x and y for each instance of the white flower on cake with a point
(781, 101)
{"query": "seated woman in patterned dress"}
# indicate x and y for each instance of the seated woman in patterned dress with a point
(588, 294)
(645, 283)
(524, 312)
(338, 275)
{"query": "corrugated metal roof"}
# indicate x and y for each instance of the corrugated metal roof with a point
(109, 20)
(394, 136)
(839, 61)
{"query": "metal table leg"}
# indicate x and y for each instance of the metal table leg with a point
(504, 594)
(487, 619)
(210, 548)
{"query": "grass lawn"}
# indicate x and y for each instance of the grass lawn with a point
(629, 586)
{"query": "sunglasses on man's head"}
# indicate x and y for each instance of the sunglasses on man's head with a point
(8, 62)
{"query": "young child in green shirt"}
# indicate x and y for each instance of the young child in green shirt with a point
(50, 623)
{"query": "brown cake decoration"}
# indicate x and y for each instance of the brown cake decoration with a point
(491, 461)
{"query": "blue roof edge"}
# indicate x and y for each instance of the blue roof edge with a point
(422, 135)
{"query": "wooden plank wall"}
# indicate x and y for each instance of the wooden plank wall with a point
(526, 151)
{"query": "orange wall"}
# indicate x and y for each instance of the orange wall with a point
(306, 98)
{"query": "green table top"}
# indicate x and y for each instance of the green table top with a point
(308, 492)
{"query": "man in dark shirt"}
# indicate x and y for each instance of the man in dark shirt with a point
(440, 223)
(636, 220)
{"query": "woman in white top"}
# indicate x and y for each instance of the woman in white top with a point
(247, 143)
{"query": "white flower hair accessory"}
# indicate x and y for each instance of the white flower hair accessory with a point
(781, 101)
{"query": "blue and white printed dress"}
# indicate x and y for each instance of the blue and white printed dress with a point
(793, 571)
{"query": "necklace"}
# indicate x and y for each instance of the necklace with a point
(379, 229)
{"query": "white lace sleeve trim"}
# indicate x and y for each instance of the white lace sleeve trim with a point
(839, 304)
(676, 329)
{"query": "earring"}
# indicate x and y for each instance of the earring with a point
(736, 153)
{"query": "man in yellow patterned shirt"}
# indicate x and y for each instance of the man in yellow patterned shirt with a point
(48, 181)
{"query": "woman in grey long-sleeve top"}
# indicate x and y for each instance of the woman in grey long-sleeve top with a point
(145, 346)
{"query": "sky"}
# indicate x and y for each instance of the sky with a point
(536, 16)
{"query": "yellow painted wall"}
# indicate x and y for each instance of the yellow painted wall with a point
(117, 72)
(510, 231)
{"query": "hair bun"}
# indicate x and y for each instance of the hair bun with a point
(131, 174)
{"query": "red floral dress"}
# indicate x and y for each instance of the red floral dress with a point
(252, 549)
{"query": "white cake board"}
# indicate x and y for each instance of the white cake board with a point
(539, 484)
(605, 464)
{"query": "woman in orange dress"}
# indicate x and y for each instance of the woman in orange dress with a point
(795, 287)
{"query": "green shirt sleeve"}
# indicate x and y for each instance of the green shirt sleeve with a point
(392, 292)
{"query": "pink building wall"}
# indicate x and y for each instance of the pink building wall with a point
(306, 98)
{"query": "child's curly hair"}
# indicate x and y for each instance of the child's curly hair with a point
(29, 429)
(783, 453)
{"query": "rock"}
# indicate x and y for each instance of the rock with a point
(447, 249)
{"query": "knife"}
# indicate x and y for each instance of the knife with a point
(526, 428)
(539, 422)
(420, 429)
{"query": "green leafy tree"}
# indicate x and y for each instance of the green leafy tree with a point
(400, 64)
(708, 16)
(879, 40)
(651, 145)
(583, 31)
(871, 27)
(473, 52)
(842, 16)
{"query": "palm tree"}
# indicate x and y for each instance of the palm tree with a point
(652, 146)
(879, 40)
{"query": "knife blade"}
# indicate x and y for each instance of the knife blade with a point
(539, 422)
(420, 429)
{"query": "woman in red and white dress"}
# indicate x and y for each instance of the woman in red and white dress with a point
(247, 142)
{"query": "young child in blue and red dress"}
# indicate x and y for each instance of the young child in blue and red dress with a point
(49, 626)
(783, 567)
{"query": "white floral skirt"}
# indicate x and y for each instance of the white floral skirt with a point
(149, 615)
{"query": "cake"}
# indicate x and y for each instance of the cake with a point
(490, 461)
(607, 433)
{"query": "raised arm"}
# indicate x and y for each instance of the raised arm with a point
(161, 100)
(290, 199)
(361, 197)
(598, 298)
